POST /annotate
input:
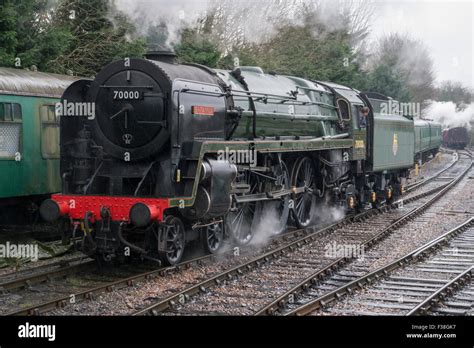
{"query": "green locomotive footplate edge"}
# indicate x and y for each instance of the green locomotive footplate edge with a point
(201, 149)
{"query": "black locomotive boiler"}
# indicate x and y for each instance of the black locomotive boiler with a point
(176, 152)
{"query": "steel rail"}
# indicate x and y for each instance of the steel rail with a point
(63, 301)
(441, 294)
(29, 280)
(201, 287)
(415, 185)
(419, 253)
(309, 232)
(272, 307)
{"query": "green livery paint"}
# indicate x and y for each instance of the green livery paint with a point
(34, 169)
(393, 144)
(29, 133)
(314, 114)
(427, 136)
(201, 149)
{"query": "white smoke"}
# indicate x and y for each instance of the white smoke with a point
(176, 15)
(328, 214)
(268, 222)
(236, 21)
(448, 115)
(265, 226)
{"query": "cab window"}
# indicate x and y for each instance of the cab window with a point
(11, 122)
(344, 110)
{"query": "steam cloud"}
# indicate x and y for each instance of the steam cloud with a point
(449, 116)
(265, 227)
(268, 222)
(244, 20)
(176, 14)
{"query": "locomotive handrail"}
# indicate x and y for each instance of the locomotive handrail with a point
(93, 177)
(285, 99)
(300, 102)
(144, 177)
(295, 116)
(238, 93)
(312, 90)
(112, 86)
(257, 96)
(267, 95)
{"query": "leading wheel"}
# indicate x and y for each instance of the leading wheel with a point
(173, 240)
(212, 237)
(304, 207)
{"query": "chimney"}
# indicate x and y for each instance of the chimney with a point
(161, 56)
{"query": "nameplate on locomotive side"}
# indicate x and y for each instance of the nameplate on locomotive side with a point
(202, 110)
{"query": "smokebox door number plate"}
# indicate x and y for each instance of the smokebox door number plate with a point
(127, 95)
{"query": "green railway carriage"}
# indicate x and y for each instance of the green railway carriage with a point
(29, 136)
(427, 138)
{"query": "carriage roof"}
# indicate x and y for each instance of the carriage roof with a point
(31, 83)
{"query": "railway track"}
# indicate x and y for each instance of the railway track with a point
(435, 278)
(299, 236)
(243, 290)
(61, 271)
(453, 298)
(91, 292)
(417, 184)
(41, 231)
(44, 273)
(346, 269)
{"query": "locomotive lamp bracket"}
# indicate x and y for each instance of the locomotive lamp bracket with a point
(105, 213)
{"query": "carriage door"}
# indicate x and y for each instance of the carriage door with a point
(11, 150)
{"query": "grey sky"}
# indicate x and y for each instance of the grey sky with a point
(446, 27)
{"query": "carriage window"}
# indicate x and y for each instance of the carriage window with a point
(344, 109)
(16, 112)
(10, 129)
(49, 132)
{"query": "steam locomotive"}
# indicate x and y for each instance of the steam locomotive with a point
(179, 152)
